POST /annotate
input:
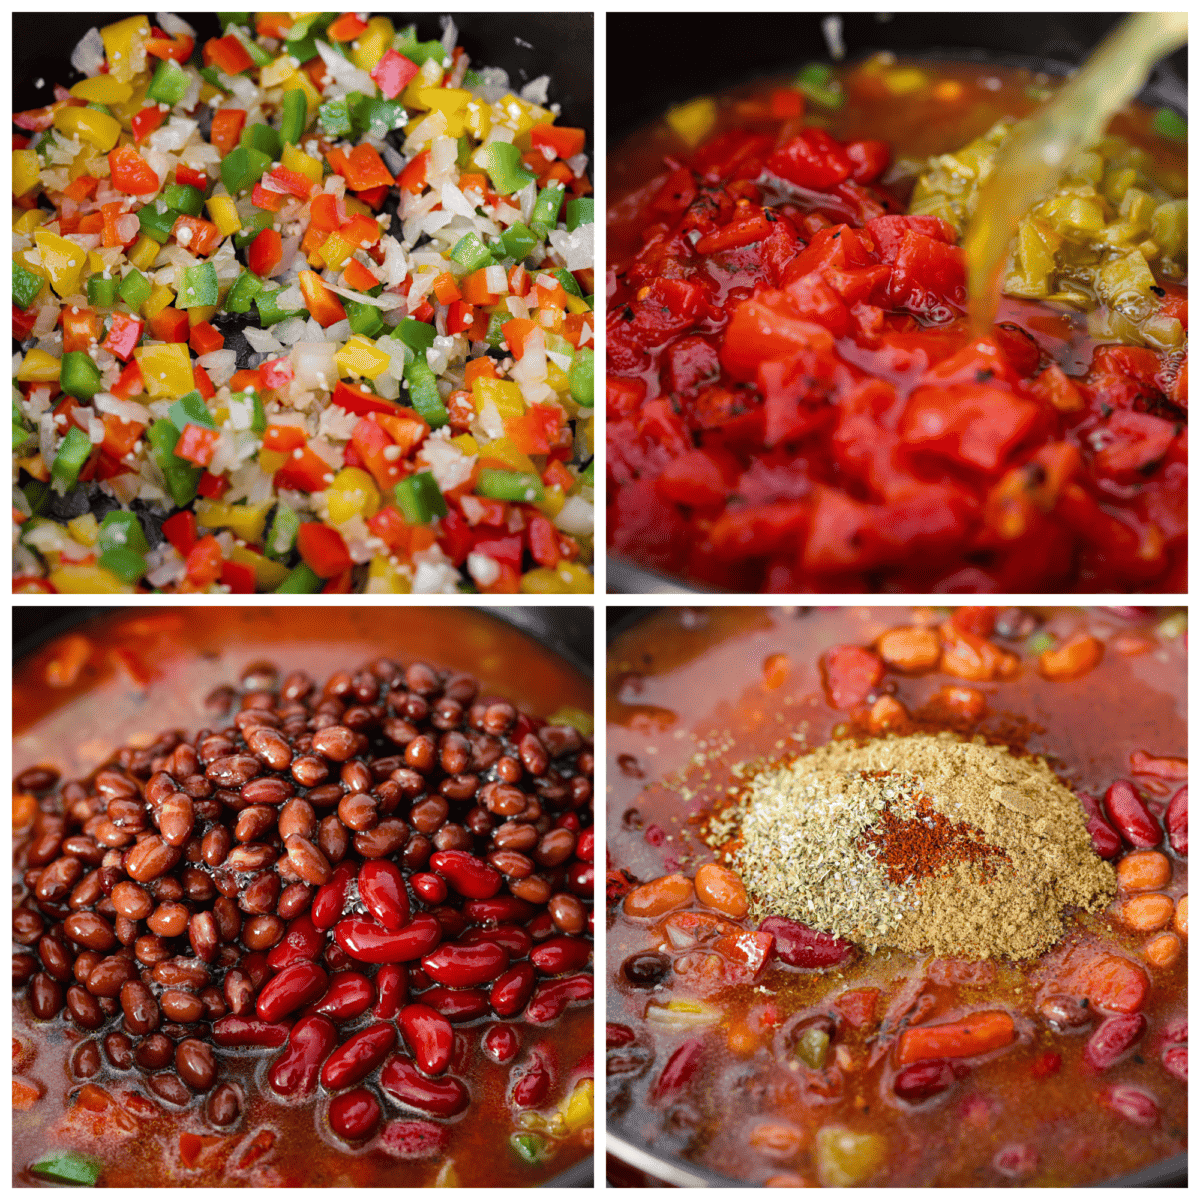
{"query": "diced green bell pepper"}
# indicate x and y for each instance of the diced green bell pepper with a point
(68, 1167)
(170, 83)
(423, 394)
(295, 117)
(241, 295)
(517, 486)
(506, 170)
(546, 207)
(817, 82)
(417, 335)
(470, 252)
(121, 529)
(252, 227)
(568, 281)
(232, 18)
(243, 167)
(302, 579)
(127, 565)
(68, 462)
(26, 286)
(419, 498)
(334, 117)
(157, 220)
(182, 477)
(190, 410)
(102, 290)
(518, 240)
(184, 198)
(363, 318)
(495, 329)
(580, 211)
(1169, 124)
(581, 376)
(135, 289)
(79, 375)
(259, 56)
(261, 137)
(588, 478)
(269, 311)
(282, 538)
(199, 286)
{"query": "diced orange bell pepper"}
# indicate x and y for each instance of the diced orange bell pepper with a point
(475, 289)
(365, 169)
(347, 27)
(320, 301)
(519, 282)
(82, 328)
(285, 438)
(204, 339)
(516, 332)
(574, 327)
(170, 325)
(130, 383)
(322, 549)
(406, 432)
(227, 125)
(204, 562)
(357, 277)
(130, 172)
(413, 177)
(527, 433)
(306, 471)
(227, 54)
(204, 385)
(274, 25)
(80, 189)
(557, 475)
(361, 232)
(265, 253)
(178, 48)
(482, 367)
(445, 289)
(561, 141)
(323, 212)
(196, 235)
(245, 379)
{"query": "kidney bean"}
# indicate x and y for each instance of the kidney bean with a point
(168, 920)
(431, 888)
(310, 864)
(1175, 1062)
(150, 858)
(233, 770)
(176, 819)
(84, 1008)
(358, 1056)
(24, 968)
(531, 1087)
(391, 984)
(294, 900)
(334, 742)
(140, 1007)
(1105, 840)
(1127, 811)
(85, 1062)
(370, 942)
(677, 1075)
(330, 900)
(381, 886)
(170, 1087)
(922, 1080)
(466, 966)
(154, 1052)
(238, 991)
(270, 790)
(353, 1115)
(110, 975)
(468, 875)
(386, 838)
(295, 1072)
(511, 992)
(457, 1004)
(503, 910)
(402, 1081)
(237, 1030)
(214, 1003)
(429, 1036)
(262, 932)
(224, 1105)
(1135, 1105)
(358, 811)
(500, 1043)
(55, 957)
(561, 954)
(294, 986)
(254, 822)
(215, 845)
(113, 784)
(581, 879)
(514, 939)
(28, 926)
(302, 941)
(799, 946)
(58, 878)
(118, 1049)
(333, 839)
(567, 913)
(350, 994)
(554, 848)
(196, 1064)
(150, 950)
(1112, 1038)
(552, 996)
(271, 746)
(1065, 1013)
(181, 1006)
(181, 972)
(1177, 822)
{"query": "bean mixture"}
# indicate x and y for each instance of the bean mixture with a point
(368, 885)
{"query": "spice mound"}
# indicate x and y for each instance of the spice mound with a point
(925, 843)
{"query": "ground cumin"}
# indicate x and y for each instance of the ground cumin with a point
(925, 843)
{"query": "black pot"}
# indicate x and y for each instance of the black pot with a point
(526, 45)
(710, 52)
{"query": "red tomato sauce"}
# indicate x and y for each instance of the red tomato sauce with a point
(796, 401)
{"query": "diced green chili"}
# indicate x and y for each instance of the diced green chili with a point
(79, 375)
(135, 289)
(518, 240)
(68, 1167)
(182, 477)
(170, 83)
(127, 565)
(123, 529)
(581, 377)
(506, 170)
(546, 207)
(530, 1147)
(295, 117)
(241, 295)
(463, 158)
(102, 290)
(417, 335)
(26, 286)
(580, 211)
(284, 527)
(184, 198)
(261, 137)
(243, 167)
(199, 288)
(190, 410)
(302, 579)
(518, 486)
(470, 252)
(157, 220)
(1169, 124)
(232, 18)
(419, 498)
(68, 462)
(423, 394)
(817, 82)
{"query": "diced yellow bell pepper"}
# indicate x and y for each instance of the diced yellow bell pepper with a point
(693, 120)
(335, 250)
(503, 393)
(224, 215)
(541, 581)
(578, 1111)
(552, 503)
(370, 46)
(63, 261)
(296, 160)
(299, 80)
(451, 103)
(516, 114)
(95, 263)
(125, 47)
(466, 443)
(247, 521)
(271, 460)
(577, 305)
(904, 80)
(158, 299)
(556, 377)
(197, 316)
(166, 369)
(102, 89)
(89, 161)
(74, 579)
(35, 466)
(386, 577)
(357, 208)
(39, 367)
(145, 251)
(88, 125)
(268, 575)
(360, 356)
(26, 171)
(478, 119)
(503, 451)
(85, 529)
(274, 73)
(352, 494)
(586, 723)
(26, 220)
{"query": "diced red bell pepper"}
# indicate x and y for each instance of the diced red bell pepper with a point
(766, 328)
(347, 27)
(460, 317)
(227, 54)
(23, 319)
(358, 399)
(407, 432)
(507, 551)
(130, 382)
(455, 537)
(196, 235)
(320, 301)
(374, 196)
(81, 188)
(543, 541)
(561, 141)
(377, 453)
(197, 444)
(180, 531)
(238, 577)
(212, 487)
(266, 253)
(120, 436)
(277, 373)
(146, 121)
(178, 48)
(191, 176)
(204, 339)
(124, 336)
(390, 527)
(413, 177)
(284, 438)
(170, 325)
(131, 173)
(227, 125)
(393, 73)
(305, 471)
(361, 232)
(204, 562)
(322, 549)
